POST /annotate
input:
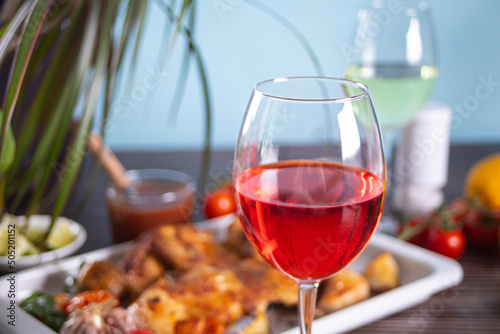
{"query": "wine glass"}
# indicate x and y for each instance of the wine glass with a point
(309, 177)
(394, 54)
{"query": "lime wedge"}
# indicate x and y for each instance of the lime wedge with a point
(8, 221)
(25, 247)
(34, 233)
(61, 234)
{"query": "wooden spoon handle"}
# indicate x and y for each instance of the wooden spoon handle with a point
(108, 159)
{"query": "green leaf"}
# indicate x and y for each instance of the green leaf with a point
(186, 4)
(180, 88)
(55, 132)
(43, 306)
(206, 154)
(141, 16)
(72, 163)
(62, 118)
(135, 20)
(7, 156)
(22, 57)
(183, 75)
(208, 121)
(136, 11)
(9, 31)
(42, 103)
(166, 36)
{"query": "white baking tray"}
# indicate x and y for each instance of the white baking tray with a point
(423, 273)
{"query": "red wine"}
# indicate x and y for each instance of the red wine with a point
(309, 219)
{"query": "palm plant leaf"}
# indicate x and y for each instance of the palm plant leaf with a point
(47, 86)
(133, 24)
(208, 121)
(23, 52)
(71, 167)
(53, 140)
(9, 31)
(71, 53)
(186, 5)
(183, 75)
(61, 67)
(167, 32)
(43, 104)
(194, 50)
(116, 56)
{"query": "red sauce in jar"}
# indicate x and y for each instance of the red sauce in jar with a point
(149, 203)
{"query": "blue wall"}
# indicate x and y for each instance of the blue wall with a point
(241, 46)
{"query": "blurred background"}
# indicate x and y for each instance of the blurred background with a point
(241, 45)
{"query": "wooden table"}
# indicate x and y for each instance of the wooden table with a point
(471, 307)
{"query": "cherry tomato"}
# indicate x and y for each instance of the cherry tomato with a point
(219, 203)
(479, 225)
(449, 243)
(85, 298)
(481, 235)
(419, 239)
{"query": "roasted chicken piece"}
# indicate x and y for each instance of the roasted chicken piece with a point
(176, 248)
(201, 326)
(157, 309)
(183, 246)
(264, 284)
(102, 275)
(255, 323)
(212, 292)
(214, 286)
(382, 273)
(202, 292)
(140, 265)
(135, 255)
(345, 288)
(143, 275)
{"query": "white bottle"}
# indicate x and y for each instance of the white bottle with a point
(421, 160)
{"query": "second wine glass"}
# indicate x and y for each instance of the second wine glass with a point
(394, 54)
(309, 175)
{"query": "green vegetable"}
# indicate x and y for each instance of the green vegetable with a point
(43, 307)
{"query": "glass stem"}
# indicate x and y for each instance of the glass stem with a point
(307, 305)
(390, 138)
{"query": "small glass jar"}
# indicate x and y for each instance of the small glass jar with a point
(155, 197)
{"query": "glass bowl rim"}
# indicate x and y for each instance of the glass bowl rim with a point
(363, 87)
(157, 173)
